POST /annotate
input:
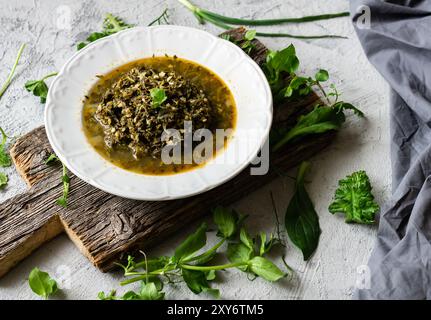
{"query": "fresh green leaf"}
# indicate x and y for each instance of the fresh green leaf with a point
(301, 220)
(226, 221)
(41, 283)
(265, 269)
(12, 72)
(298, 85)
(211, 275)
(239, 252)
(62, 201)
(3, 180)
(110, 296)
(354, 198)
(39, 87)
(197, 282)
(322, 75)
(341, 106)
(246, 239)
(281, 61)
(320, 120)
(51, 159)
(5, 160)
(158, 96)
(250, 35)
(193, 243)
(149, 291)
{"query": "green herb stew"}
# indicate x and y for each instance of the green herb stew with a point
(128, 110)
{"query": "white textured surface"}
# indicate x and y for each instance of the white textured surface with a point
(362, 144)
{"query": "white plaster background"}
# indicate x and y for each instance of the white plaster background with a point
(362, 144)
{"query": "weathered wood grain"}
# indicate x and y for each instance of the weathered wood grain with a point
(106, 227)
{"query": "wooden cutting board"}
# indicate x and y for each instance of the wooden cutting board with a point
(105, 227)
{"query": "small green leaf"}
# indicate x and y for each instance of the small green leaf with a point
(250, 35)
(226, 221)
(246, 239)
(322, 75)
(301, 220)
(51, 159)
(38, 88)
(211, 275)
(341, 106)
(3, 180)
(158, 96)
(193, 243)
(62, 201)
(265, 269)
(354, 198)
(41, 283)
(197, 282)
(110, 296)
(149, 291)
(239, 252)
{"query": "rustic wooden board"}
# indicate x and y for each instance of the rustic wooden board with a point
(106, 227)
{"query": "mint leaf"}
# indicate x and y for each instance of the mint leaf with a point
(250, 35)
(158, 96)
(301, 220)
(354, 198)
(41, 283)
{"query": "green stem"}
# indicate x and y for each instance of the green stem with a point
(9, 78)
(209, 268)
(261, 22)
(323, 92)
(164, 13)
(270, 22)
(213, 249)
(266, 34)
(49, 76)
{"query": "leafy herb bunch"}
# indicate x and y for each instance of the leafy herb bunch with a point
(192, 265)
(281, 71)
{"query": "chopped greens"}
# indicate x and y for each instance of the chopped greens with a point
(301, 220)
(41, 283)
(39, 87)
(354, 198)
(137, 108)
(12, 72)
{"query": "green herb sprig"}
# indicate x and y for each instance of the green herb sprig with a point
(41, 283)
(5, 160)
(224, 22)
(191, 265)
(111, 25)
(38, 87)
(12, 71)
(3, 180)
(280, 69)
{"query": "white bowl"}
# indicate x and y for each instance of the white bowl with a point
(243, 76)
